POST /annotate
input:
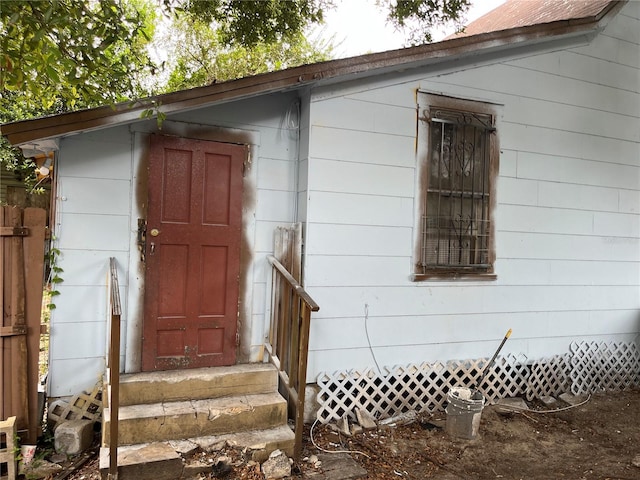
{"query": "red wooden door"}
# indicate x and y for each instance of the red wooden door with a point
(194, 228)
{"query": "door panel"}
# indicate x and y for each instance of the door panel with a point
(194, 230)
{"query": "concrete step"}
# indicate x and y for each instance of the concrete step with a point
(260, 443)
(160, 461)
(197, 384)
(196, 418)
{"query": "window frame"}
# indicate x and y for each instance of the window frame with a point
(428, 103)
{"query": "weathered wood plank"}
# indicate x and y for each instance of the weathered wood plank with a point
(4, 351)
(35, 219)
(19, 354)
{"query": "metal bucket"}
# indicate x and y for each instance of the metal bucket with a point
(463, 412)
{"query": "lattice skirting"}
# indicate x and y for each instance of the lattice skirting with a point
(588, 368)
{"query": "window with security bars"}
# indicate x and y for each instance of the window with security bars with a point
(457, 146)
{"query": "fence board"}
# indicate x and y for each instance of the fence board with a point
(35, 219)
(22, 261)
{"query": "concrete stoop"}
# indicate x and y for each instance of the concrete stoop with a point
(207, 408)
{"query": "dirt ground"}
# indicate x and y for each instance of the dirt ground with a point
(597, 440)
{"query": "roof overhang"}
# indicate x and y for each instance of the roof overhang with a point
(34, 131)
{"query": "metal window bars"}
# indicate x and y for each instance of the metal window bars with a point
(456, 221)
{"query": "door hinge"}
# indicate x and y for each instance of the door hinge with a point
(246, 163)
(237, 339)
(142, 238)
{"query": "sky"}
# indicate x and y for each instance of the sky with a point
(359, 26)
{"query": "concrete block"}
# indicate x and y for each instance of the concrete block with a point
(277, 466)
(365, 419)
(193, 469)
(73, 436)
(153, 461)
(340, 466)
(7, 445)
(548, 400)
(511, 405)
(183, 447)
(572, 399)
(311, 405)
(343, 425)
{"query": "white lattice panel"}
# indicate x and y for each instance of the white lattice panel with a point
(549, 377)
(600, 366)
(421, 387)
(589, 367)
(506, 378)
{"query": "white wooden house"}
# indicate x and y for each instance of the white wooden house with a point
(447, 192)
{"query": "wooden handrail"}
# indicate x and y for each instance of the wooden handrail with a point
(113, 364)
(288, 343)
(294, 284)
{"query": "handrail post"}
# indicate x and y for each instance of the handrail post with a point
(114, 371)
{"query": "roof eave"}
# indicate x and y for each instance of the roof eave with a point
(29, 131)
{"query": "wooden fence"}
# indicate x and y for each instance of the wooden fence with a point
(22, 239)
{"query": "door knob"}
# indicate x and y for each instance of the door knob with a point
(154, 232)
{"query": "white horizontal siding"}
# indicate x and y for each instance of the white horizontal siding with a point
(578, 196)
(90, 267)
(87, 196)
(94, 155)
(275, 206)
(358, 332)
(540, 85)
(631, 10)
(81, 304)
(93, 224)
(517, 218)
(329, 239)
(629, 201)
(625, 52)
(94, 232)
(276, 175)
(363, 146)
(571, 118)
(350, 209)
(568, 247)
(514, 271)
(574, 147)
(87, 340)
(360, 178)
(68, 377)
(471, 299)
(585, 68)
(366, 116)
(356, 270)
(566, 218)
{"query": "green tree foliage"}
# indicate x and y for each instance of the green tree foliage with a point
(250, 23)
(199, 55)
(419, 17)
(61, 55)
(79, 52)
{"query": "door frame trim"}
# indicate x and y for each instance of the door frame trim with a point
(140, 134)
